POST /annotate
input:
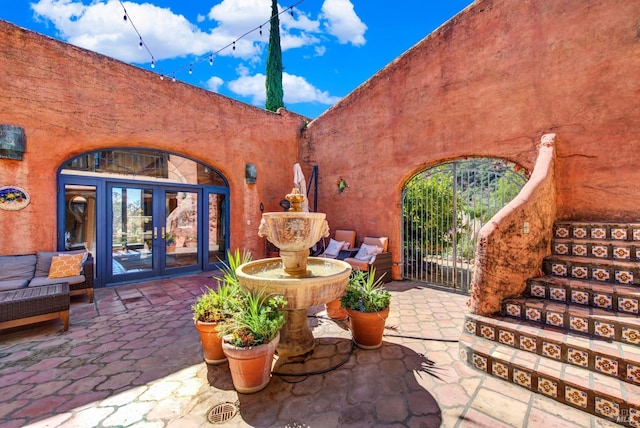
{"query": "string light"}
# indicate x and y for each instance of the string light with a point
(142, 44)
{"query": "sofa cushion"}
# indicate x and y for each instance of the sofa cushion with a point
(17, 267)
(43, 280)
(358, 264)
(366, 252)
(43, 264)
(13, 284)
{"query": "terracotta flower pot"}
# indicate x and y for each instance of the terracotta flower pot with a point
(250, 366)
(211, 342)
(335, 310)
(368, 327)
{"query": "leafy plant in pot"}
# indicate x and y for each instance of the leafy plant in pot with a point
(215, 307)
(251, 337)
(367, 304)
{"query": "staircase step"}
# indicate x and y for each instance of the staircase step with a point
(588, 391)
(580, 319)
(597, 230)
(614, 359)
(614, 297)
(603, 270)
(599, 249)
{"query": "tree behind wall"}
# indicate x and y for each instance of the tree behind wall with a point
(274, 63)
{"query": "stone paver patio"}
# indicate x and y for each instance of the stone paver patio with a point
(133, 359)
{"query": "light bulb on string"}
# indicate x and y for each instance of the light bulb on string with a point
(211, 59)
(153, 63)
(234, 46)
(125, 18)
(261, 30)
(162, 77)
(140, 44)
(173, 78)
(190, 69)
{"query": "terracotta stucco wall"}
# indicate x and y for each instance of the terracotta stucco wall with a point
(491, 82)
(69, 101)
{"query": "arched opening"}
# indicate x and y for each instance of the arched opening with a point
(143, 213)
(444, 207)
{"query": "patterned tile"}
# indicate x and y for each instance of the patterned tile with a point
(622, 253)
(488, 332)
(552, 350)
(562, 231)
(633, 374)
(507, 338)
(561, 249)
(624, 277)
(636, 234)
(470, 326)
(575, 396)
(480, 362)
(628, 305)
(579, 250)
(630, 335)
(464, 355)
(634, 417)
(500, 369)
(522, 378)
(580, 232)
(559, 269)
(601, 274)
(580, 272)
(548, 387)
(558, 294)
(555, 319)
(606, 365)
(538, 290)
(607, 408)
(600, 251)
(617, 233)
(514, 310)
(579, 297)
(528, 343)
(577, 357)
(598, 232)
(579, 324)
(533, 314)
(604, 329)
(637, 253)
(604, 301)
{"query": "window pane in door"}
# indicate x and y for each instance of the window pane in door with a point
(181, 238)
(216, 228)
(132, 239)
(80, 218)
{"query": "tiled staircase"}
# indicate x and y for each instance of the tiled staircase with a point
(575, 334)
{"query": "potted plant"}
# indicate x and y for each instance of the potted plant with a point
(170, 242)
(215, 307)
(367, 304)
(251, 338)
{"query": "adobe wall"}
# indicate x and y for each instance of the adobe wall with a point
(491, 82)
(69, 101)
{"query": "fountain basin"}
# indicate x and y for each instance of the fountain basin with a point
(293, 231)
(325, 280)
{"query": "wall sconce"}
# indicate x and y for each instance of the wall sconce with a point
(250, 173)
(12, 142)
(341, 185)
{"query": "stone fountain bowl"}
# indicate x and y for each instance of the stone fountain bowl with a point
(293, 231)
(327, 281)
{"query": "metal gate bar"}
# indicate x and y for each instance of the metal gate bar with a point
(444, 208)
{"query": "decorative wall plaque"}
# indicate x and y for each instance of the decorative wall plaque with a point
(13, 198)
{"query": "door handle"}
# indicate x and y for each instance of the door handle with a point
(162, 231)
(155, 233)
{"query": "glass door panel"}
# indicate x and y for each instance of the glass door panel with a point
(217, 230)
(80, 217)
(132, 231)
(181, 236)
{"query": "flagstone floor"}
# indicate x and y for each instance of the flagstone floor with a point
(133, 359)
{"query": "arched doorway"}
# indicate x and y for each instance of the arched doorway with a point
(444, 208)
(143, 213)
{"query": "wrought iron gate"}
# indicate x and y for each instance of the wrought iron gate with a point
(444, 208)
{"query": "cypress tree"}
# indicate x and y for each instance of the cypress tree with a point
(274, 63)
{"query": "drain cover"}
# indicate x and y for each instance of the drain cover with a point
(221, 413)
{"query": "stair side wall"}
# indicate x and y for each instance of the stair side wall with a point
(512, 246)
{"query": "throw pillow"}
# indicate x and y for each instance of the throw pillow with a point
(333, 248)
(65, 266)
(366, 252)
(346, 245)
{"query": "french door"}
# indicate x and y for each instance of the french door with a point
(152, 231)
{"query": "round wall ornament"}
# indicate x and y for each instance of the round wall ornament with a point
(13, 198)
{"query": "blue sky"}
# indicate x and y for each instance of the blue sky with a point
(330, 47)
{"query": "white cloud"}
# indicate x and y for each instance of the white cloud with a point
(214, 83)
(343, 22)
(296, 89)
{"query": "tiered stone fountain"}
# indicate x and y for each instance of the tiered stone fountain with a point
(303, 281)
